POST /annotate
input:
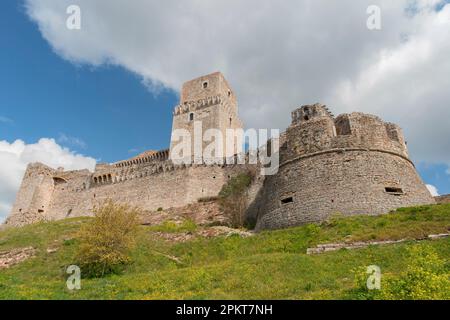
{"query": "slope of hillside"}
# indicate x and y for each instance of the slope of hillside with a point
(185, 261)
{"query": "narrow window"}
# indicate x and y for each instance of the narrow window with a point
(343, 127)
(191, 117)
(287, 200)
(394, 190)
(205, 85)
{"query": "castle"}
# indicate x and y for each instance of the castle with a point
(351, 164)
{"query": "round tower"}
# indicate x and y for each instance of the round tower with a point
(353, 164)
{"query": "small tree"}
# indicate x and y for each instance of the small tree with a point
(233, 199)
(106, 240)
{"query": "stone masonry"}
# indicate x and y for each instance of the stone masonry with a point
(350, 164)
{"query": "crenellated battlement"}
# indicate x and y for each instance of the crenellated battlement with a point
(146, 157)
(315, 129)
(191, 106)
(309, 112)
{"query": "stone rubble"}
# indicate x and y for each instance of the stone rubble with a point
(321, 248)
(15, 256)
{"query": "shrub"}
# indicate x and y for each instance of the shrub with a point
(233, 199)
(106, 240)
(174, 227)
(427, 277)
(361, 291)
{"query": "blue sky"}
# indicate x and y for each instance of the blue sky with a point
(107, 113)
(104, 112)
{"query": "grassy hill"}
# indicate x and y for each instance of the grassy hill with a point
(176, 262)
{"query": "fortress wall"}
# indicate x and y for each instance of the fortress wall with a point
(443, 199)
(175, 187)
(350, 183)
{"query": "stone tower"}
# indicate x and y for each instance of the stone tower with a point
(354, 164)
(208, 107)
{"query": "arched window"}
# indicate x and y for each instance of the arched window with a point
(58, 181)
(343, 126)
(191, 116)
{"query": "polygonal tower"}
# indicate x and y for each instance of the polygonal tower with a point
(355, 164)
(207, 102)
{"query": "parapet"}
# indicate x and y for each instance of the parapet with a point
(309, 112)
(204, 87)
(145, 157)
(315, 129)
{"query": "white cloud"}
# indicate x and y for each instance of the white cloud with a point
(6, 120)
(433, 190)
(73, 141)
(278, 55)
(14, 158)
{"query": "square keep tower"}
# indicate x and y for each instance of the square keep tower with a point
(207, 108)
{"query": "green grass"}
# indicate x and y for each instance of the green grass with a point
(269, 265)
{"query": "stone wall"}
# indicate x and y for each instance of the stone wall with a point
(48, 194)
(443, 199)
(348, 182)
